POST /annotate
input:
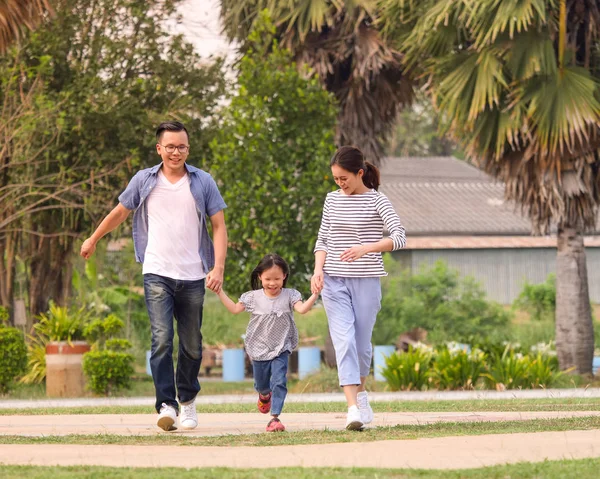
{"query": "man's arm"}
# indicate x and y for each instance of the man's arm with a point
(214, 279)
(109, 223)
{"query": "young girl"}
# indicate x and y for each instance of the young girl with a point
(271, 335)
(348, 265)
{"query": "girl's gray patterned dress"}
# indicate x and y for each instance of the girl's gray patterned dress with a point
(271, 329)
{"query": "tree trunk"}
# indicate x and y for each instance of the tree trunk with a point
(574, 328)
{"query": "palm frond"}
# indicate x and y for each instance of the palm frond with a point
(19, 15)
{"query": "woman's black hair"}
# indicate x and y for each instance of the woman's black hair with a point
(266, 263)
(351, 159)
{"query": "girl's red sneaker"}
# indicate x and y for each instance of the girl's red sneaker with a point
(275, 425)
(264, 403)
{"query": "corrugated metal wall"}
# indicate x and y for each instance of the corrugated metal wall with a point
(502, 272)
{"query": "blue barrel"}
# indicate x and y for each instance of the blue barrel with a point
(595, 365)
(309, 361)
(148, 368)
(379, 355)
(233, 365)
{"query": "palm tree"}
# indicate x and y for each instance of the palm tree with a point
(517, 84)
(340, 41)
(16, 15)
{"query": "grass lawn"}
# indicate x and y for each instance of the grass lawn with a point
(499, 405)
(567, 469)
(400, 432)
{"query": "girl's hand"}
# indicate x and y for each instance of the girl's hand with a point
(354, 253)
(316, 282)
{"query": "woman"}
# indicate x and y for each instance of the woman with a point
(348, 267)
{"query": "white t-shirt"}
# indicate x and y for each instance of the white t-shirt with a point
(173, 231)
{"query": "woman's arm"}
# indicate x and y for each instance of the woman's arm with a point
(304, 307)
(316, 282)
(232, 307)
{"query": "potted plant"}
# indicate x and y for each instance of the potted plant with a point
(61, 330)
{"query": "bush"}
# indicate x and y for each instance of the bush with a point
(438, 300)
(108, 371)
(539, 300)
(108, 366)
(13, 357)
(457, 369)
(408, 371)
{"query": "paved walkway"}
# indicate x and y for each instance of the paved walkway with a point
(437, 453)
(244, 423)
(314, 397)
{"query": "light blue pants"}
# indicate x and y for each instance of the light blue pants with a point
(351, 305)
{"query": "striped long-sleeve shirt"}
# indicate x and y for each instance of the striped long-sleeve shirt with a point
(352, 220)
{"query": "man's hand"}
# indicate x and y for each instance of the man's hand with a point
(214, 280)
(87, 248)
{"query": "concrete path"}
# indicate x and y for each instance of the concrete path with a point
(437, 453)
(243, 423)
(314, 397)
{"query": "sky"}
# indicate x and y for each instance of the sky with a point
(202, 28)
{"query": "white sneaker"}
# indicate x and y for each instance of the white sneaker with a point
(188, 418)
(366, 412)
(353, 420)
(167, 418)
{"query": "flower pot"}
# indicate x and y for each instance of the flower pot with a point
(233, 365)
(379, 355)
(309, 361)
(64, 372)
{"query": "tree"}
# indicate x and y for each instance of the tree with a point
(18, 15)
(341, 43)
(114, 72)
(518, 85)
(270, 159)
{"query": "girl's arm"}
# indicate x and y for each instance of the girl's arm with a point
(234, 308)
(304, 307)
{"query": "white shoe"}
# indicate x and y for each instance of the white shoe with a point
(353, 420)
(366, 412)
(188, 418)
(167, 418)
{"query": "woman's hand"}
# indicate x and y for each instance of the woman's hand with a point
(354, 253)
(316, 282)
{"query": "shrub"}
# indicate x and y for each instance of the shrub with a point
(408, 371)
(457, 369)
(13, 357)
(108, 371)
(438, 300)
(108, 366)
(539, 300)
(36, 361)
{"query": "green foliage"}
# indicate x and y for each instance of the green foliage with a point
(513, 370)
(457, 368)
(436, 299)
(539, 300)
(99, 330)
(3, 316)
(36, 361)
(108, 366)
(13, 357)
(270, 160)
(410, 371)
(108, 371)
(61, 324)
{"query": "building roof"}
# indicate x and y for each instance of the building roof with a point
(485, 242)
(444, 196)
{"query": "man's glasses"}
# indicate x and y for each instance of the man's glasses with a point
(171, 149)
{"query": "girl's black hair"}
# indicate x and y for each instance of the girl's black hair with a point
(351, 159)
(266, 263)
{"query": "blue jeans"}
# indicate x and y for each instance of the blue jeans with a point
(270, 377)
(167, 298)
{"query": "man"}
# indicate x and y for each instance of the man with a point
(171, 202)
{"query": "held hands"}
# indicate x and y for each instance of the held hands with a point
(316, 282)
(87, 248)
(214, 280)
(354, 253)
